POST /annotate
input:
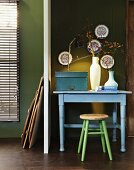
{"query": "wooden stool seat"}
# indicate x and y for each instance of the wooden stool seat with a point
(86, 130)
(93, 116)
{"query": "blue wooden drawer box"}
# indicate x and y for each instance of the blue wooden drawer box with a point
(71, 81)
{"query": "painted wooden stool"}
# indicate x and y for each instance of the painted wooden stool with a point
(86, 130)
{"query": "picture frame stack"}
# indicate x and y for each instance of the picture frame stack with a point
(30, 130)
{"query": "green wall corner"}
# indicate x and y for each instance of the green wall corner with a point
(31, 62)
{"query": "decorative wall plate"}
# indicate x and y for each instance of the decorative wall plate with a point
(101, 31)
(65, 58)
(107, 61)
(95, 45)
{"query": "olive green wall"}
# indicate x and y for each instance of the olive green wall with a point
(31, 61)
(70, 18)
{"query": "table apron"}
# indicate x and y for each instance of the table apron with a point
(98, 98)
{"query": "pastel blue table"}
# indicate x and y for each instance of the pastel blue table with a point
(115, 97)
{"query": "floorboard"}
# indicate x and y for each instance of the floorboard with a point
(14, 157)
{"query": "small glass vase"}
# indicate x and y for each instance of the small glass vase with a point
(111, 82)
(95, 73)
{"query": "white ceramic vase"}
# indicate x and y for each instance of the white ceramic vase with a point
(95, 73)
(111, 82)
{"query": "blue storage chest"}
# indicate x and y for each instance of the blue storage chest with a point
(66, 81)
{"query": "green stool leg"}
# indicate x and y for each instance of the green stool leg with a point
(85, 140)
(81, 136)
(107, 139)
(102, 137)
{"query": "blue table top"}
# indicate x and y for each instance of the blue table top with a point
(94, 92)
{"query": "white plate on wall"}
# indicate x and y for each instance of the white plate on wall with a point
(95, 45)
(65, 58)
(101, 31)
(107, 61)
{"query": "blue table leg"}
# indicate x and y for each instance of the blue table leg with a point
(61, 122)
(123, 121)
(114, 122)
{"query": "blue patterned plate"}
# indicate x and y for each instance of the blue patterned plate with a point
(94, 45)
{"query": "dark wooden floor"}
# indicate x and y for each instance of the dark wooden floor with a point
(13, 157)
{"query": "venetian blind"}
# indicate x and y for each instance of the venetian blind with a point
(9, 60)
